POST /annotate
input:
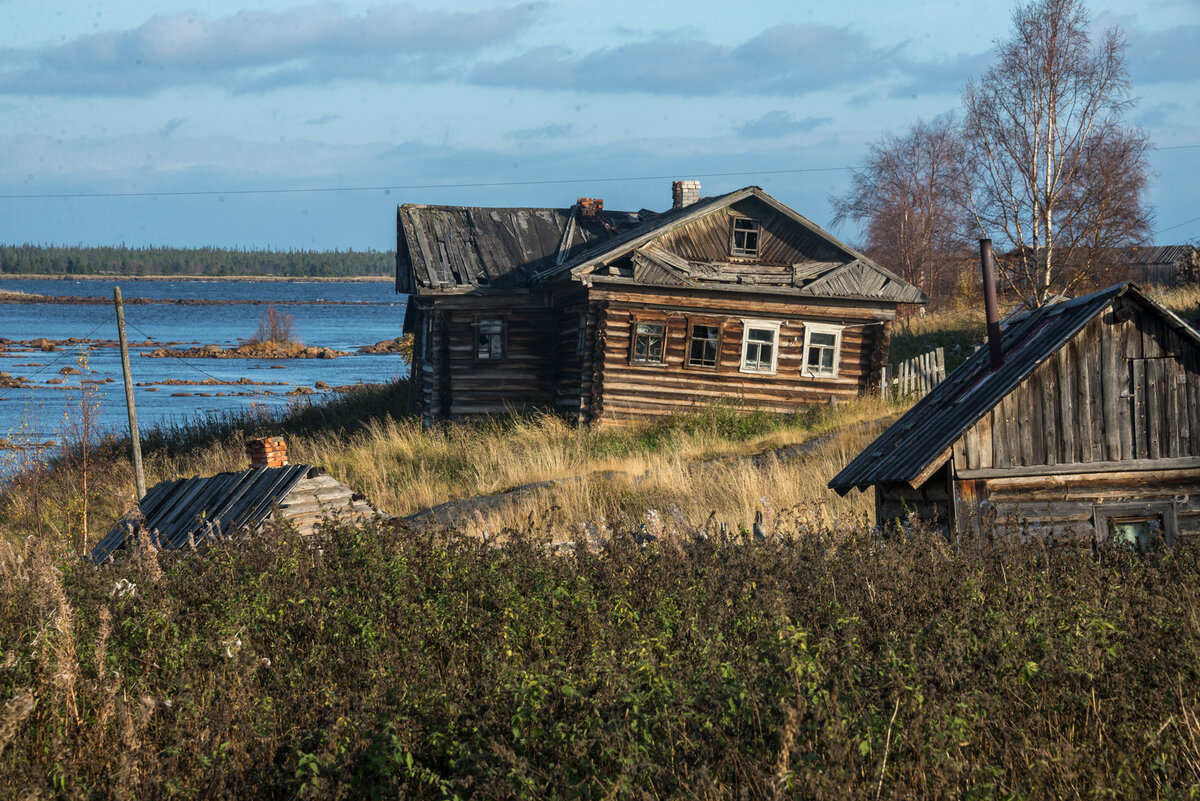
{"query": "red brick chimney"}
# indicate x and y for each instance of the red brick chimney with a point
(267, 452)
(590, 207)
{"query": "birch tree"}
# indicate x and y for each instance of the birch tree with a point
(1054, 173)
(906, 199)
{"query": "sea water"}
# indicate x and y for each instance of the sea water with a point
(343, 315)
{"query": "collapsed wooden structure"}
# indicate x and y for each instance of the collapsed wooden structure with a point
(189, 512)
(617, 316)
(1090, 427)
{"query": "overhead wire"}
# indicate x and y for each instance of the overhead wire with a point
(389, 188)
(153, 341)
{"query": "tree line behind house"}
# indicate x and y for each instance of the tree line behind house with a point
(31, 259)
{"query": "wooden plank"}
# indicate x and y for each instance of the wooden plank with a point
(971, 450)
(1177, 419)
(1047, 403)
(985, 441)
(1028, 431)
(999, 440)
(1065, 388)
(1156, 394)
(1141, 445)
(1095, 368)
(1191, 366)
(1112, 386)
(1084, 397)
(1135, 467)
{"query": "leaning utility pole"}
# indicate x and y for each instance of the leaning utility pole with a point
(134, 438)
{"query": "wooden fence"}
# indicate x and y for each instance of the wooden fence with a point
(915, 376)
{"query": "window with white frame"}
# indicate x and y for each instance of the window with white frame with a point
(648, 339)
(822, 344)
(760, 346)
(489, 340)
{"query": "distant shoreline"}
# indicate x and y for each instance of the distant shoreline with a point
(23, 298)
(119, 277)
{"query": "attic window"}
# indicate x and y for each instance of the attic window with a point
(489, 340)
(744, 237)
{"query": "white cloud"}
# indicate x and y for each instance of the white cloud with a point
(253, 49)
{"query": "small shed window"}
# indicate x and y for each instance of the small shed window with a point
(760, 346)
(704, 345)
(1139, 526)
(822, 344)
(648, 343)
(489, 340)
(744, 241)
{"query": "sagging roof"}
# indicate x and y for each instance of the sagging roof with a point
(447, 249)
(451, 248)
(190, 511)
(920, 441)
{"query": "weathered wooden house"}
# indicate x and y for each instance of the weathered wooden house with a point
(617, 316)
(1089, 426)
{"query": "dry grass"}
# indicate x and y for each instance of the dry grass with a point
(692, 464)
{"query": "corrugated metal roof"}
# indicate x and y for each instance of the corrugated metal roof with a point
(922, 436)
(173, 511)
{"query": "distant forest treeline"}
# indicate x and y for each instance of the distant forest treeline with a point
(55, 260)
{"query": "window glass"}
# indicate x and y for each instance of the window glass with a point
(821, 350)
(1137, 534)
(489, 340)
(758, 348)
(648, 343)
(704, 346)
(745, 237)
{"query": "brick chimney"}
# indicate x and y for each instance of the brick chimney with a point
(590, 207)
(267, 452)
(684, 193)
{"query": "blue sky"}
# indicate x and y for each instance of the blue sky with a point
(493, 103)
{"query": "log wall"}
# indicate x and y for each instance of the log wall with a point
(453, 384)
(1062, 507)
(621, 391)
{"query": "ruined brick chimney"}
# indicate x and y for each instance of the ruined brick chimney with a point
(267, 452)
(684, 193)
(590, 207)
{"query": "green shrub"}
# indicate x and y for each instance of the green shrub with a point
(384, 662)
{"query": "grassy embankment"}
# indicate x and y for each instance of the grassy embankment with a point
(819, 663)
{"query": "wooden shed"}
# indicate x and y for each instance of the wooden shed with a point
(612, 317)
(188, 512)
(1090, 426)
